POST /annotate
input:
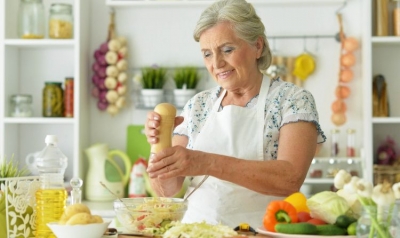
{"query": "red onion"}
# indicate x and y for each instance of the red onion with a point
(102, 72)
(104, 47)
(102, 105)
(95, 92)
(100, 84)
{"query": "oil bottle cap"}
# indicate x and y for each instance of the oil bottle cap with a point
(51, 139)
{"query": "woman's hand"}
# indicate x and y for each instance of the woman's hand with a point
(152, 124)
(177, 161)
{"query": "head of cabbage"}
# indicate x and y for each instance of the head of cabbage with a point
(327, 206)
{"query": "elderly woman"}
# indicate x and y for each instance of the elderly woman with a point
(251, 138)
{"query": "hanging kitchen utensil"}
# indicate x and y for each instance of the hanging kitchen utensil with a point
(304, 64)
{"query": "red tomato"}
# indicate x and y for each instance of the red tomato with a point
(316, 221)
(303, 216)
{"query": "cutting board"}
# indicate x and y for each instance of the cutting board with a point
(136, 143)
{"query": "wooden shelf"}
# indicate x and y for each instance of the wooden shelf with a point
(117, 3)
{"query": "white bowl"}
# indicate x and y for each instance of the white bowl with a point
(94, 230)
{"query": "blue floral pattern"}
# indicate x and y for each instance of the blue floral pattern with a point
(285, 103)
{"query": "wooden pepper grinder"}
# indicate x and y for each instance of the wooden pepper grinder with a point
(167, 112)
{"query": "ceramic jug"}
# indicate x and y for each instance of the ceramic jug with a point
(104, 167)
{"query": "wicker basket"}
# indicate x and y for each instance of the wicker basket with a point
(390, 173)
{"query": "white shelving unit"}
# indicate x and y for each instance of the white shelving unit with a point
(207, 2)
(25, 66)
(380, 56)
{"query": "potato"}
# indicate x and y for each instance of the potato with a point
(96, 219)
(80, 218)
(72, 210)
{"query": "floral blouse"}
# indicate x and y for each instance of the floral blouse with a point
(285, 103)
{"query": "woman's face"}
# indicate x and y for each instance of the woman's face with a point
(230, 60)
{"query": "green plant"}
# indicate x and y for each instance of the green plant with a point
(186, 76)
(153, 77)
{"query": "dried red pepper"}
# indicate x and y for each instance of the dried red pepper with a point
(279, 212)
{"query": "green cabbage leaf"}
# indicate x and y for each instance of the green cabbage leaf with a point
(327, 206)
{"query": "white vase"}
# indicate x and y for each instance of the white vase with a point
(152, 97)
(182, 96)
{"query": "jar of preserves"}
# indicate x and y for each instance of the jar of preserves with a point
(69, 97)
(60, 21)
(21, 105)
(53, 99)
(31, 19)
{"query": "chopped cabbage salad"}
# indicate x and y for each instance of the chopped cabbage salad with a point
(152, 216)
(199, 229)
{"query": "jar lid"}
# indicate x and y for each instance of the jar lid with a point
(53, 83)
(18, 98)
(61, 7)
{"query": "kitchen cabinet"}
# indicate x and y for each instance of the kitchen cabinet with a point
(25, 66)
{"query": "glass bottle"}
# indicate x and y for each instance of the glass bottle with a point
(69, 97)
(61, 21)
(31, 20)
(21, 105)
(335, 142)
(351, 143)
(396, 17)
(52, 195)
(76, 193)
(53, 100)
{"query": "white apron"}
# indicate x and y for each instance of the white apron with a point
(238, 132)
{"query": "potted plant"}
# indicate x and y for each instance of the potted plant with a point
(186, 80)
(153, 80)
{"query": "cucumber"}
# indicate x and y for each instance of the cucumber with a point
(296, 228)
(330, 230)
(344, 221)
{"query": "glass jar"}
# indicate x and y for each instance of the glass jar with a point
(351, 143)
(31, 19)
(316, 169)
(335, 142)
(379, 225)
(396, 17)
(61, 21)
(21, 105)
(69, 97)
(53, 99)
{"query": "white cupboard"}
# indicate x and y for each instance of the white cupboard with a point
(25, 66)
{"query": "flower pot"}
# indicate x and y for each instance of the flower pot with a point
(182, 96)
(152, 97)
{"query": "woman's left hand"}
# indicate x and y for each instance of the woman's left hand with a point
(176, 161)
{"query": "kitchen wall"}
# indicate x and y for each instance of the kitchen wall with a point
(163, 35)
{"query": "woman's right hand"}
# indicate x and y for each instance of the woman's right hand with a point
(152, 124)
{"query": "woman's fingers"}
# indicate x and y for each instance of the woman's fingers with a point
(178, 121)
(151, 125)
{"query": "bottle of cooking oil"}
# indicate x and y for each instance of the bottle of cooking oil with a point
(51, 197)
